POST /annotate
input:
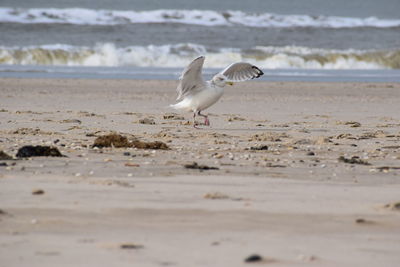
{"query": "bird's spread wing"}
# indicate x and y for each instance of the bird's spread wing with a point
(191, 79)
(241, 71)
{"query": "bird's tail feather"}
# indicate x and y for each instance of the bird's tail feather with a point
(183, 105)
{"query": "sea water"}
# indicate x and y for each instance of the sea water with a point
(285, 38)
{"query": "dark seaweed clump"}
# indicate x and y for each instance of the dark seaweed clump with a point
(38, 151)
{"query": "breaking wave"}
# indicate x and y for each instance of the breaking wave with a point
(180, 55)
(195, 17)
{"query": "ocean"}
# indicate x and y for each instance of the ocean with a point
(285, 38)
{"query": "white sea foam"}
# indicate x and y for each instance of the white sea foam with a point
(195, 17)
(181, 54)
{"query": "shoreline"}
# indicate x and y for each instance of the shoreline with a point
(292, 183)
(172, 74)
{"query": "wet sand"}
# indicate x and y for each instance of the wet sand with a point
(302, 172)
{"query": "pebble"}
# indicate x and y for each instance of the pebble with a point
(253, 258)
(37, 192)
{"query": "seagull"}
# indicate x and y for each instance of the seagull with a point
(196, 95)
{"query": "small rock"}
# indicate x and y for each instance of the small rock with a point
(147, 121)
(263, 147)
(253, 258)
(130, 246)
(194, 165)
(310, 153)
(37, 192)
(127, 154)
(363, 221)
(360, 220)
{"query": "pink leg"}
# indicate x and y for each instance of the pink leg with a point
(206, 120)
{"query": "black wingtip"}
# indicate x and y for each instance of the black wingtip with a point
(259, 72)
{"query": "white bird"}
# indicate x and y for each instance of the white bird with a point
(196, 95)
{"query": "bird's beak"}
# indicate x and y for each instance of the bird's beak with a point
(230, 83)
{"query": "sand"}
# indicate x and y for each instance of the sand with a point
(301, 174)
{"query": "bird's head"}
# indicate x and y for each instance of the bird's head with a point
(221, 80)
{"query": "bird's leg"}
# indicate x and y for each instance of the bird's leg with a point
(194, 120)
(206, 121)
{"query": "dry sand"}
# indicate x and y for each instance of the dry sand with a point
(318, 195)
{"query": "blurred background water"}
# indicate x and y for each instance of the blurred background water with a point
(130, 34)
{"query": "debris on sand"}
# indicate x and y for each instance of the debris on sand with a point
(216, 195)
(353, 124)
(117, 140)
(111, 140)
(130, 246)
(387, 168)
(37, 192)
(196, 166)
(147, 121)
(363, 221)
(173, 116)
(345, 136)
(393, 206)
(375, 134)
(71, 121)
(270, 165)
(4, 156)
(130, 164)
(353, 160)
(262, 147)
(150, 145)
(38, 151)
(269, 136)
(236, 118)
(253, 258)
(30, 131)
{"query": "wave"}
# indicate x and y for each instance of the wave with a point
(196, 17)
(180, 55)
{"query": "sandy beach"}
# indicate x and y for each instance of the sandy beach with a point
(299, 174)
